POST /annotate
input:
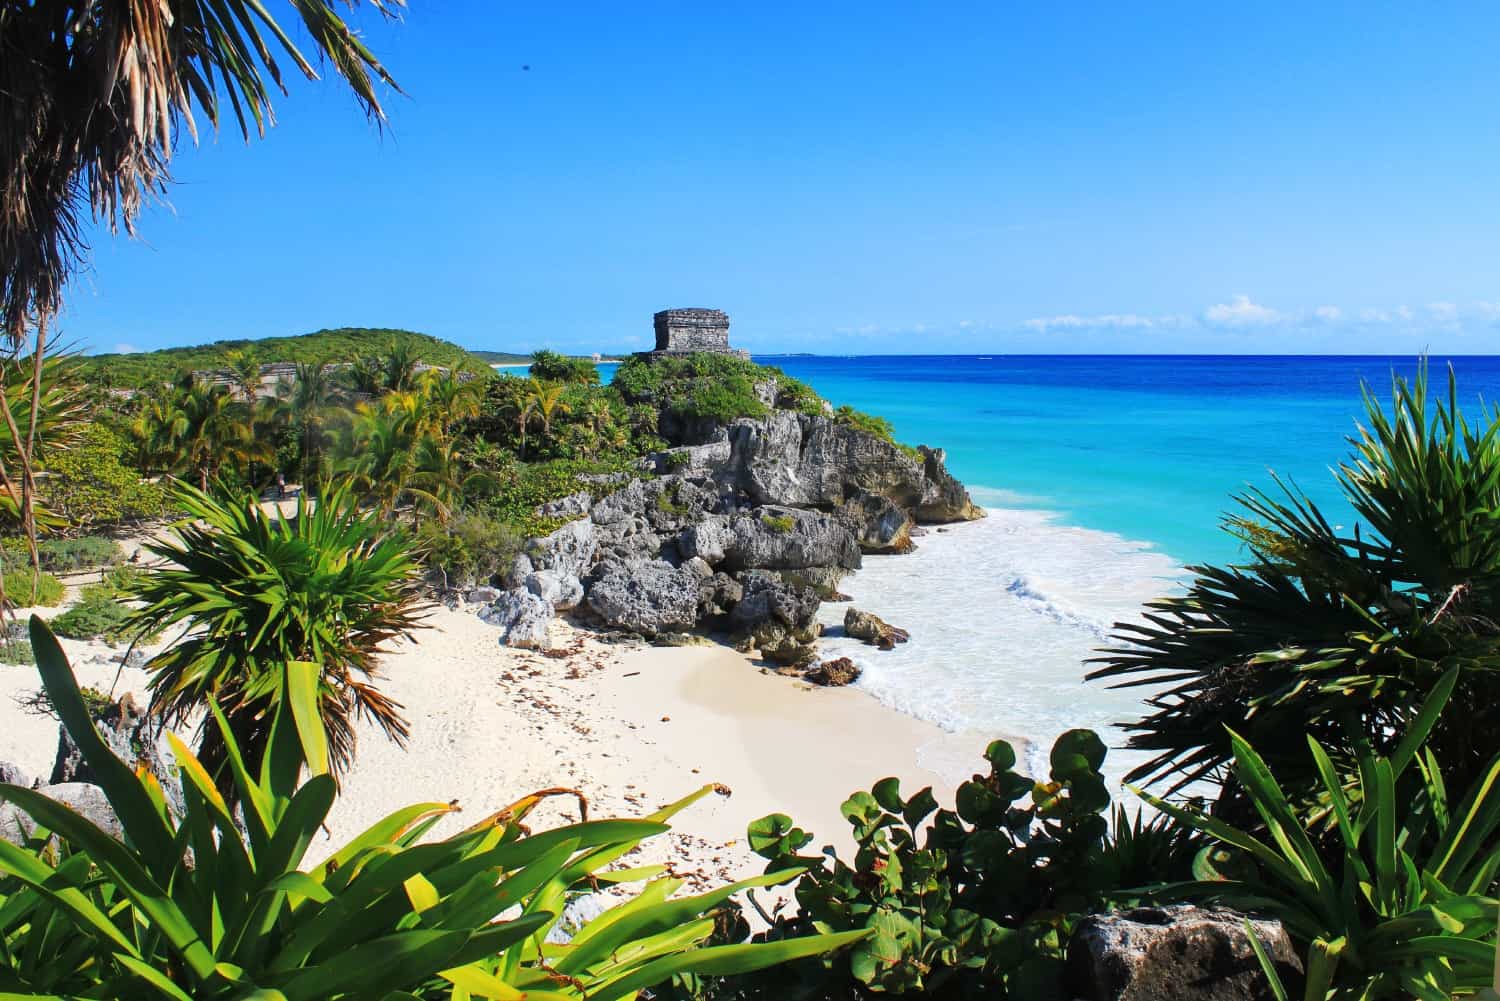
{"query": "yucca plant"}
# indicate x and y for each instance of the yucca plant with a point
(1407, 906)
(1332, 632)
(251, 589)
(188, 907)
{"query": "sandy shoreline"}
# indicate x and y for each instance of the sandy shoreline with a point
(631, 727)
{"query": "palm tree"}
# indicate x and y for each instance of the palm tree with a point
(307, 399)
(257, 589)
(378, 451)
(547, 397)
(208, 431)
(94, 96)
(452, 398)
(1332, 634)
(244, 374)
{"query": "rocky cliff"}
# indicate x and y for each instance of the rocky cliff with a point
(745, 529)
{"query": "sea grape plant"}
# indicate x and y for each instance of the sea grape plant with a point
(975, 901)
(1406, 907)
(189, 908)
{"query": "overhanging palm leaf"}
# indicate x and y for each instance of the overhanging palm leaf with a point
(256, 589)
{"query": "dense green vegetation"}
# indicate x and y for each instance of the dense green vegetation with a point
(323, 347)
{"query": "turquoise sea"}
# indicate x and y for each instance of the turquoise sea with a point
(1103, 476)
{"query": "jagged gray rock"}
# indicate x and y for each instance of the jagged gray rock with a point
(576, 505)
(873, 629)
(522, 618)
(776, 618)
(879, 525)
(15, 775)
(131, 736)
(562, 592)
(784, 538)
(1177, 953)
(835, 673)
(482, 595)
(569, 551)
(814, 461)
(646, 598)
(83, 798)
(516, 575)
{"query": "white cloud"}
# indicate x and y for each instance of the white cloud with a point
(1328, 314)
(1112, 321)
(1240, 312)
(1442, 312)
(126, 349)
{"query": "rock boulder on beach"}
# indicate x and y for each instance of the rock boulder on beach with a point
(873, 630)
(835, 673)
(645, 598)
(522, 618)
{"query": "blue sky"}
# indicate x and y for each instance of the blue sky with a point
(857, 178)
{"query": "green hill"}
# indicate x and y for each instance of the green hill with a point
(322, 347)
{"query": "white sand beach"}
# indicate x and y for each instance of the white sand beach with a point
(632, 727)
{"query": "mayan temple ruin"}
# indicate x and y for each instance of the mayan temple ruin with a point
(688, 331)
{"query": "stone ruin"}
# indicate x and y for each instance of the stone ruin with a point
(691, 331)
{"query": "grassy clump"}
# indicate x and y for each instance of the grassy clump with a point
(16, 651)
(102, 612)
(64, 555)
(779, 523)
(25, 588)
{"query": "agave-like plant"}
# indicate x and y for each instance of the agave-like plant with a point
(1336, 633)
(1406, 906)
(191, 907)
(253, 589)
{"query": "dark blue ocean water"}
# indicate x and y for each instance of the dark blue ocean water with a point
(1150, 448)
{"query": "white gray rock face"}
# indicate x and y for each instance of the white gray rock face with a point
(482, 595)
(572, 506)
(773, 538)
(562, 592)
(646, 598)
(709, 540)
(15, 775)
(522, 618)
(1177, 953)
(569, 551)
(83, 798)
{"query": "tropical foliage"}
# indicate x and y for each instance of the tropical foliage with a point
(194, 906)
(256, 589)
(978, 901)
(1337, 634)
(1407, 908)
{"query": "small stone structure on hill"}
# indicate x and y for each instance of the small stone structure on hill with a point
(691, 331)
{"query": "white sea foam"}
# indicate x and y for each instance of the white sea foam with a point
(1002, 614)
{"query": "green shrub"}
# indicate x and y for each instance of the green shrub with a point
(89, 483)
(63, 555)
(721, 387)
(515, 497)
(24, 588)
(779, 523)
(470, 549)
(1404, 907)
(549, 366)
(16, 651)
(245, 914)
(973, 902)
(101, 613)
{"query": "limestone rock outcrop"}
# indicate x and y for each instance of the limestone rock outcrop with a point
(645, 598)
(522, 618)
(873, 630)
(1177, 953)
